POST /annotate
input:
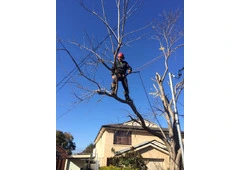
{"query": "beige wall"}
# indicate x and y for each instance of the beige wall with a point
(72, 164)
(104, 146)
(100, 149)
(138, 137)
(150, 152)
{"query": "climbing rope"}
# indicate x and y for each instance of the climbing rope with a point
(145, 91)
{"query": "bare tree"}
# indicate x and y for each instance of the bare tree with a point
(166, 33)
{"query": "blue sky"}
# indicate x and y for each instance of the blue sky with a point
(84, 120)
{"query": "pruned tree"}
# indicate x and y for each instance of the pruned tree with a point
(117, 37)
(166, 33)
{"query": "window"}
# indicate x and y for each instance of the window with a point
(122, 137)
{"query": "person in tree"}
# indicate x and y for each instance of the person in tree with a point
(119, 71)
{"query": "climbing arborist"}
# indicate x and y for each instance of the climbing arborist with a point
(119, 74)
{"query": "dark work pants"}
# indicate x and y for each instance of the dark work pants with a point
(124, 81)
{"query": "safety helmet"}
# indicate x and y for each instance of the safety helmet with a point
(120, 55)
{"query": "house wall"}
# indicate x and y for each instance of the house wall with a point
(140, 137)
(156, 164)
(105, 145)
(103, 148)
(150, 152)
(72, 165)
(76, 163)
(99, 148)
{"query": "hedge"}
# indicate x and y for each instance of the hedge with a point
(115, 168)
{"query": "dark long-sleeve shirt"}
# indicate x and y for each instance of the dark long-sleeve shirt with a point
(122, 67)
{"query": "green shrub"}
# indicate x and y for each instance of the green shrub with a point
(115, 168)
(109, 168)
(132, 160)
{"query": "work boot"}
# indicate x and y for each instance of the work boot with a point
(127, 98)
(113, 92)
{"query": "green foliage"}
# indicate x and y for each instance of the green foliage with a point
(88, 149)
(65, 140)
(131, 159)
(115, 168)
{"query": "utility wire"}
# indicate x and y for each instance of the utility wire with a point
(144, 88)
(74, 69)
(67, 79)
(148, 63)
(81, 63)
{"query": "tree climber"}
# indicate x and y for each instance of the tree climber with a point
(119, 74)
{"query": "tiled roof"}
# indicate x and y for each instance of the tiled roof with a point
(130, 126)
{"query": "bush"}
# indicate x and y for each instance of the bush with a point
(115, 168)
(131, 160)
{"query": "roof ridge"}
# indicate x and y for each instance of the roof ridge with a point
(142, 144)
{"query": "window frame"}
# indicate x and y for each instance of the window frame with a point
(122, 137)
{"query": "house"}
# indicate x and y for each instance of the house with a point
(61, 156)
(77, 162)
(72, 162)
(122, 137)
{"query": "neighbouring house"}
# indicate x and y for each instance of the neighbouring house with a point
(61, 156)
(72, 162)
(122, 137)
(79, 162)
